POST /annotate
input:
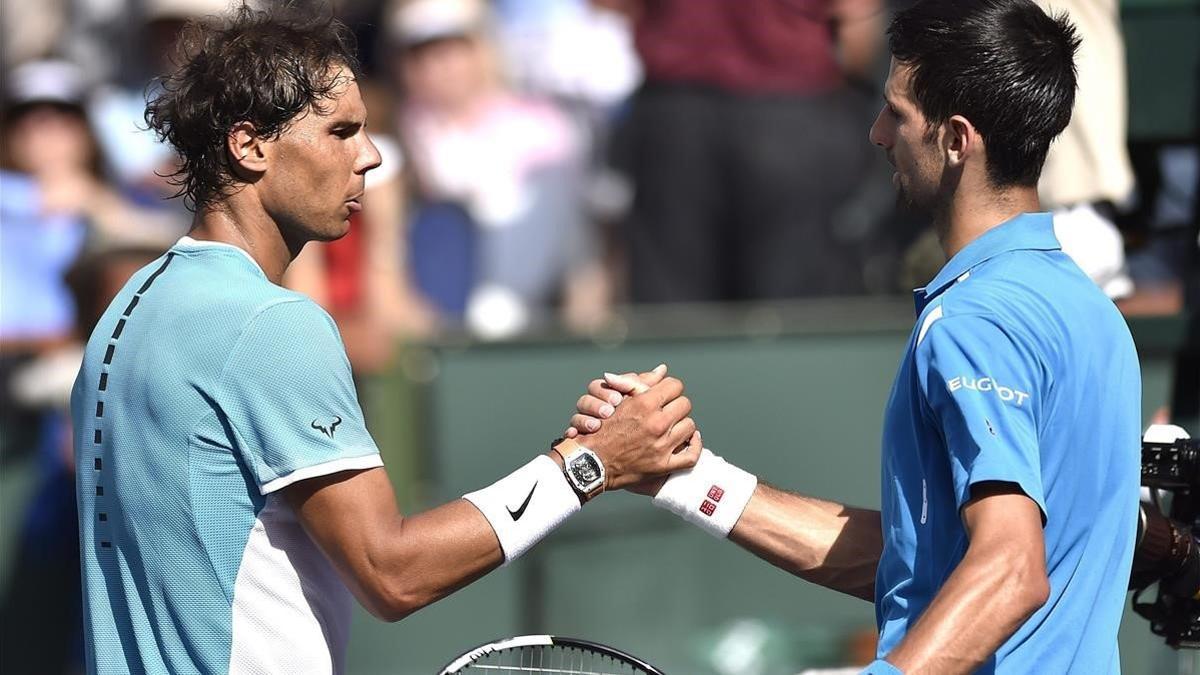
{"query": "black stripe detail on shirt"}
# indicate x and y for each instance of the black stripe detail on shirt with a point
(152, 277)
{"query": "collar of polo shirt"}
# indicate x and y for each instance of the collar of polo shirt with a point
(1028, 231)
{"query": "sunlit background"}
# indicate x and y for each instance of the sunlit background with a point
(569, 187)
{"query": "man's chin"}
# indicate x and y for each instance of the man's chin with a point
(333, 232)
(910, 204)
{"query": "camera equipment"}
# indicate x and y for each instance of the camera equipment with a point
(1167, 549)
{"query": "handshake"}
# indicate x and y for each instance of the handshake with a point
(641, 442)
(631, 431)
(638, 430)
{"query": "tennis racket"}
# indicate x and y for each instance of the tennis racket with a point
(548, 654)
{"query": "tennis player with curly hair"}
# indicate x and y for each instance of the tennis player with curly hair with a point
(231, 499)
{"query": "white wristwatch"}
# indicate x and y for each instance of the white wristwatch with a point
(583, 469)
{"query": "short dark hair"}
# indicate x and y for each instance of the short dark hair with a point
(265, 67)
(1005, 65)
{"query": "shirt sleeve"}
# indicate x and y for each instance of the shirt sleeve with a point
(289, 399)
(983, 384)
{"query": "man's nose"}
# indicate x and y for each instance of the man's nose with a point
(370, 157)
(877, 134)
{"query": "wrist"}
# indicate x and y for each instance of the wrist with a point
(711, 495)
(525, 505)
(582, 469)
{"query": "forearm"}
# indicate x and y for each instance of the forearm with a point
(986, 599)
(422, 558)
(393, 564)
(826, 543)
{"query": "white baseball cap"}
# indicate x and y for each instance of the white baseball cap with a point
(161, 10)
(412, 22)
(48, 81)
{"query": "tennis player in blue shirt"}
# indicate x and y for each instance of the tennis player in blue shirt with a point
(231, 500)
(1010, 459)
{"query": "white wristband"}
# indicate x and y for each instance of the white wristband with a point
(712, 494)
(526, 504)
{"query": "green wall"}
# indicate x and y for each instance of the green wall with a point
(794, 397)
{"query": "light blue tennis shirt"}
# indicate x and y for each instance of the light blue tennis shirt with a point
(1019, 369)
(206, 389)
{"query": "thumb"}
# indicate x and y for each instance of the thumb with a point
(629, 383)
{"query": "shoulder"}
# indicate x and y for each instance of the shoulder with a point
(288, 317)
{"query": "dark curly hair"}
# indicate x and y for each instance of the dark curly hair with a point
(265, 67)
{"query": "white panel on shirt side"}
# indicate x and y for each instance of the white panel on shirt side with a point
(933, 315)
(291, 611)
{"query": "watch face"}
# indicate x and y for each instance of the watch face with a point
(585, 471)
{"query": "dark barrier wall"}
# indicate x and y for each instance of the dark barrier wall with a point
(796, 398)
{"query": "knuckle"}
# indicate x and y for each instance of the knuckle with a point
(657, 425)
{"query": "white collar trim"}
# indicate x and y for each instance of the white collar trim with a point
(188, 242)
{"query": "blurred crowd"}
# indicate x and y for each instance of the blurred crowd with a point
(544, 161)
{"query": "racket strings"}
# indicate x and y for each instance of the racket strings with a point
(552, 660)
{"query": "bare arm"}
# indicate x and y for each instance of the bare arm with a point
(823, 542)
(396, 565)
(1000, 582)
(393, 564)
(826, 543)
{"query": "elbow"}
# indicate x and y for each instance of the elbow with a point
(1037, 592)
(392, 607)
(392, 602)
(1032, 589)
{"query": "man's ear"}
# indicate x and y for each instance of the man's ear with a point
(247, 151)
(961, 140)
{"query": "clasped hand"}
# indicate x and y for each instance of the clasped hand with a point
(640, 427)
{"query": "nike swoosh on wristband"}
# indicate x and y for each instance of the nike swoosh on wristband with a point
(516, 515)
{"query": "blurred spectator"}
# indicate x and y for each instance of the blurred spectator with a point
(55, 198)
(746, 137)
(50, 169)
(30, 30)
(498, 231)
(137, 158)
(569, 49)
(1087, 176)
(581, 57)
(40, 615)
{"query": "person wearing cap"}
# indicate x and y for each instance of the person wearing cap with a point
(57, 204)
(231, 501)
(56, 194)
(1010, 462)
(500, 171)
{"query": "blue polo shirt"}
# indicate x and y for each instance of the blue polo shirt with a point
(1019, 369)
